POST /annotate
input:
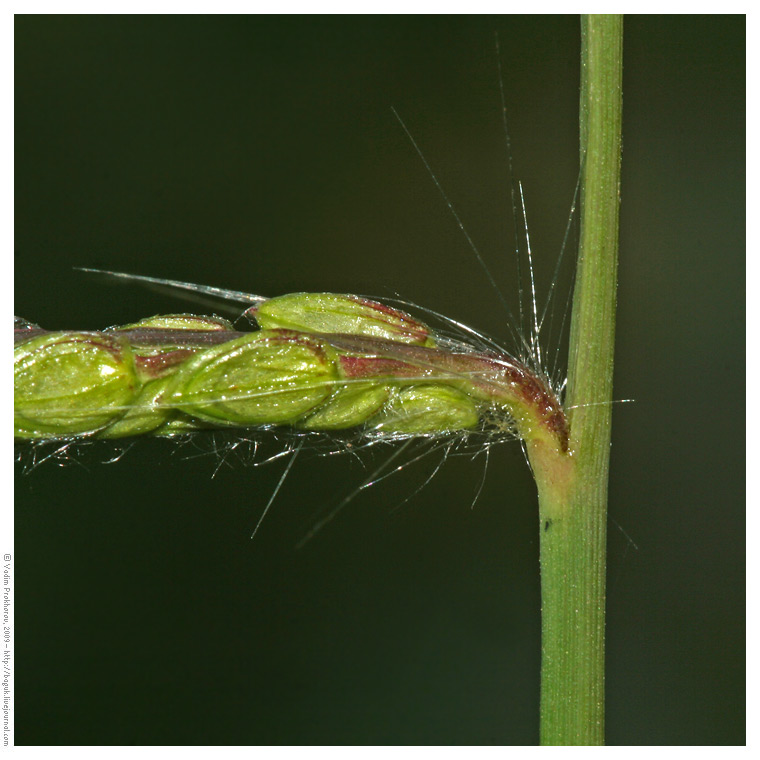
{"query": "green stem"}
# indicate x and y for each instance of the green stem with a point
(573, 505)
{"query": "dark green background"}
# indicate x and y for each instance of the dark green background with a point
(261, 154)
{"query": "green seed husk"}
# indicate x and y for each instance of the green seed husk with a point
(266, 378)
(350, 406)
(426, 410)
(69, 384)
(333, 313)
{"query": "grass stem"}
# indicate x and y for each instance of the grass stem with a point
(573, 500)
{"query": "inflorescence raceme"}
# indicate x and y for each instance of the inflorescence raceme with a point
(318, 362)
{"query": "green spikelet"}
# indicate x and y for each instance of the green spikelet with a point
(331, 313)
(428, 409)
(266, 378)
(69, 384)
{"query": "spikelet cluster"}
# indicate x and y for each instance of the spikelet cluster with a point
(318, 361)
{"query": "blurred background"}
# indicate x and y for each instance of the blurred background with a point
(261, 154)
